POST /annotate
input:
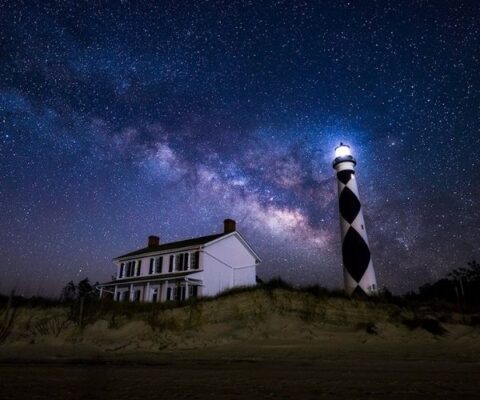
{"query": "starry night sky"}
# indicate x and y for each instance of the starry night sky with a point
(122, 119)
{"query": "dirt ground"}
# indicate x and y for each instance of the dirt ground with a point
(256, 372)
(254, 345)
(242, 380)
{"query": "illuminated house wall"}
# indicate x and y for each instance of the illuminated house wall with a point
(203, 266)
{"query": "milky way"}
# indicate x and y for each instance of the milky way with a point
(124, 119)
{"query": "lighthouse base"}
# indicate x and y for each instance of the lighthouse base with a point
(367, 284)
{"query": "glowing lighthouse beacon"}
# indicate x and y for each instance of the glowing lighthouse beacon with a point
(358, 270)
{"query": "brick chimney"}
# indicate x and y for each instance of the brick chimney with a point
(229, 225)
(153, 241)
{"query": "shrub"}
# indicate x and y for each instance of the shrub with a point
(429, 324)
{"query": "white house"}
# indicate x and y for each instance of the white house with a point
(202, 266)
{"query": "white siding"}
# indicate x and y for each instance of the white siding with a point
(227, 263)
(244, 276)
(223, 264)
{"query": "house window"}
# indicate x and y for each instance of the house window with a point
(170, 266)
(126, 295)
(155, 296)
(150, 271)
(177, 293)
(118, 296)
(120, 275)
(130, 268)
(195, 260)
(179, 262)
(192, 291)
(158, 265)
(136, 296)
(139, 266)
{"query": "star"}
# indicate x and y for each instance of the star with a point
(121, 122)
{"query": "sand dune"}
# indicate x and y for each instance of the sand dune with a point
(255, 324)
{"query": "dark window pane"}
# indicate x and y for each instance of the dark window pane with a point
(158, 265)
(179, 263)
(139, 266)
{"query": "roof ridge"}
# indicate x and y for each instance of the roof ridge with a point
(172, 245)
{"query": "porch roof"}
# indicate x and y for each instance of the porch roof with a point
(149, 278)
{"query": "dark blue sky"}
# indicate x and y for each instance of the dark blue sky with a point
(124, 119)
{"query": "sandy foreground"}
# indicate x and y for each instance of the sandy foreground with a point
(253, 345)
(255, 371)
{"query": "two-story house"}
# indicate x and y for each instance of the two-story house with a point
(202, 266)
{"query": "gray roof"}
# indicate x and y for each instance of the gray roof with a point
(174, 245)
(149, 278)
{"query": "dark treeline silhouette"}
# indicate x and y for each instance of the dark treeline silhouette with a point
(79, 297)
(461, 286)
(83, 289)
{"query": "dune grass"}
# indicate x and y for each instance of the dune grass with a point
(244, 308)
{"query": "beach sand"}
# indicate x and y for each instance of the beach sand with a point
(253, 345)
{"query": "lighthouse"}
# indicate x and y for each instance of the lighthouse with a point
(358, 272)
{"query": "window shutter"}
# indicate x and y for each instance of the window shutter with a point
(158, 265)
(132, 265)
(139, 266)
(150, 271)
(197, 260)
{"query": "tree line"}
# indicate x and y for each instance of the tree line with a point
(461, 286)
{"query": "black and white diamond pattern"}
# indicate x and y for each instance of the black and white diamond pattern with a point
(358, 268)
